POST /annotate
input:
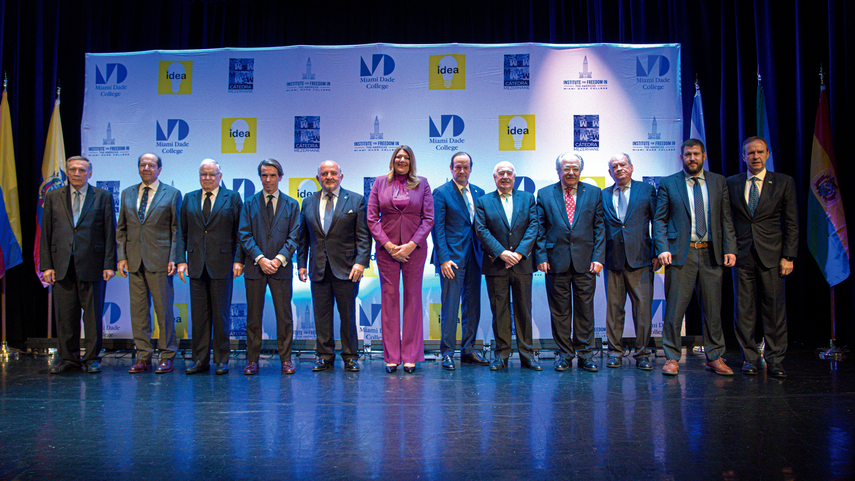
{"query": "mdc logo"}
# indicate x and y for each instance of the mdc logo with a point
(516, 132)
(447, 72)
(171, 124)
(102, 78)
(376, 59)
(175, 77)
(238, 135)
(456, 122)
(652, 61)
(301, 188)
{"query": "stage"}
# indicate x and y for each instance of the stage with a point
(470, 423)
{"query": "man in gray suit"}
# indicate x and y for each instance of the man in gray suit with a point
(77, 251)
(147, 234)
(694, 237)
(209, 253)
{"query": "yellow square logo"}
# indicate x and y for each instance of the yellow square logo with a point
(175, 77)
(447, 72)
(516, 132)
(238, 136)
(302, 187)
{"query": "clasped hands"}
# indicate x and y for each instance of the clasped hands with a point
(595, 267)
(400, 253)
(237, 270)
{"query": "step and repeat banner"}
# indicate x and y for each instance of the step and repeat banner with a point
(523, 103)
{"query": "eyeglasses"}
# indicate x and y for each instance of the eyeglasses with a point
(209, 176)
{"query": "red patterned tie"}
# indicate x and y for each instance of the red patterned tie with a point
(570, 205)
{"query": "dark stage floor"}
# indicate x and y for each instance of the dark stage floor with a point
(467, 424)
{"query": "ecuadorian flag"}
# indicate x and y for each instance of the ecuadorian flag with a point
(10, 213)
(827, 239)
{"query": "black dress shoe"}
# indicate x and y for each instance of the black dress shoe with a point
(474, 358)
(588, 365)
(530, 364)
(322, 365)
(92, 367)
(448, 362)
(749, 368)
(644, 364)
(614, 361)
(498, 365)
(562, 364)
(392, 368)
(777, 370)
(409, 369)
(64, 366)
(351, 365)
(222, 369)
(197, 367)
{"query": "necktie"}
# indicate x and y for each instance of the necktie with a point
(753, 195)
(621, 204)
(206, 207)
(143, 204)
(269, 207)
(506, 204)
(328, 212)
(700, 211)
(75, 206)
(570, 205)
(468, 205)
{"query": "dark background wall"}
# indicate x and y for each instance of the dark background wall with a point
(724, 42)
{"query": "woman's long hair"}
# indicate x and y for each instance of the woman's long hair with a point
(412, 177)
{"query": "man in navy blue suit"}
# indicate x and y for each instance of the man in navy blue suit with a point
(628, 209)
(457, 257)
(694, 238)
(570, 251)
(506, 225)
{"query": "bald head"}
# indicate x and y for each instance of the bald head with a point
(329, 175)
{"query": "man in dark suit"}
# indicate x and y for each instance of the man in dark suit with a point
(147, 234)
(336, 245)
(457, 258)
(767, 235)
(628, 209)
(77, 251)
(570, 250)
(694, 238)
(269, 232)
(506, 225)
(209, 253)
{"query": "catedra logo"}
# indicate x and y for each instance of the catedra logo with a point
(175, 77)
(516, 132)
(447, 72)
(238, 135)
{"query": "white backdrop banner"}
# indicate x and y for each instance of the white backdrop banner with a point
(523, 103)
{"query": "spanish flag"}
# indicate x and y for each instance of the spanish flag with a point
(10, 213)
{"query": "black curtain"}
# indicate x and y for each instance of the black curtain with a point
(724, 44)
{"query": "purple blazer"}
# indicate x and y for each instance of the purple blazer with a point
(389, 224)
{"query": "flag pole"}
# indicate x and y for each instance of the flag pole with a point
(51, 350)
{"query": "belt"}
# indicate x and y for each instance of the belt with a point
(699, 245)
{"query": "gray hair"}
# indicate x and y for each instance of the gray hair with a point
(565, 154)
(211, 162)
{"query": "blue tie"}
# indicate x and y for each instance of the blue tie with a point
(700, 211)
(621, 204)
(753, 195)
(143, 204)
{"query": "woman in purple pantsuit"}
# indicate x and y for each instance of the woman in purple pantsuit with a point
(400, 217)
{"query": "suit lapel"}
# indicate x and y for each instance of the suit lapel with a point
(261, 198)
(87, 203)
(680, 178)
(279, 209)
(558, 196)
(768, 190)
(66, 204)
(158, 196)
(218, 204)
(497, 200)
(633, 197)
(461, 201)
(608, 201)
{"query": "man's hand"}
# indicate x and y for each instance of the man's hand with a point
(596, 267)
(356, 272)
(303, 274)
(268, 266)
(543, 267)
(237, 269)
(182, 270)
(170, 270)
(785, 267)
(447, 269)
(511, 258)
(729, 260)
(123, 268)
(656, 264)
(49, 276)
(665, 258)
(108, 274)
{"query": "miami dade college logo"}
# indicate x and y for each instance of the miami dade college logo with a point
(651, 73)
(375, 76)
(109, 79)
(171, 138)
(447, 134)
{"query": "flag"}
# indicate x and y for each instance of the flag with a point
(53, 175)
(763, 125)
(697, 130)
(827, 239)
(10, 213)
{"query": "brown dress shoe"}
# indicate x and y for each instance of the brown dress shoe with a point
(719, 367)
(140, 366)
(164, 367)
(288, 367)
(671, 367)
(251, 369)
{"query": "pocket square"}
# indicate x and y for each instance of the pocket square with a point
(350, 211)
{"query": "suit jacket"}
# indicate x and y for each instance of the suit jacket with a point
(214, 244)
(347, 242)
(453, 233)
(153, 242)
(496, 236)
(260, 236)
(92, 242)
(628, 243)
(558, 242)
(389, 224)
(773, 230)
(672, 224)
